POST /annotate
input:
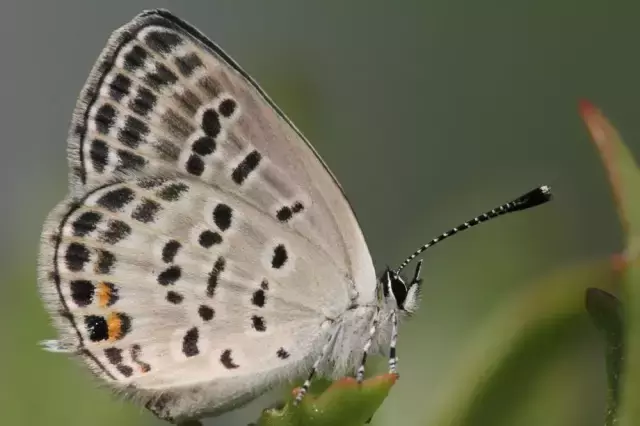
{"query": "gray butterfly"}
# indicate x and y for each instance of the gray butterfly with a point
(205, 253)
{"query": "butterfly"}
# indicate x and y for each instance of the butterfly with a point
(205, 253)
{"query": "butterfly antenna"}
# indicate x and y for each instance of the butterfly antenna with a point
(532, 198)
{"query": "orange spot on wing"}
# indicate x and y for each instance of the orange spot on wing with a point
(114, 325)
(104, 294)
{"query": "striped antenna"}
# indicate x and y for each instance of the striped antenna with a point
(532, 198)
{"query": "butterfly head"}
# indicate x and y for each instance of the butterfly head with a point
(395, 290)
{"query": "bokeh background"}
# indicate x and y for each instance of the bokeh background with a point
(429, 112)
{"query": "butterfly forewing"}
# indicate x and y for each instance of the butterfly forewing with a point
(163, 99)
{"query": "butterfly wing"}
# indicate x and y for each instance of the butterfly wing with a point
(189, 188)
(164, 99)
(187, 294)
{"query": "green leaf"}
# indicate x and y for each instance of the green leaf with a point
(501, 368)
(606, 312)
(624, 177)
(629, 408)
(622, 171)
(343, 403)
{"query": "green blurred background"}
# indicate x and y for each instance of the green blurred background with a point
(428, 112)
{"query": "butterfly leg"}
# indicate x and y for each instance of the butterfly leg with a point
(367, 346)
(305, 387)
(393, 359)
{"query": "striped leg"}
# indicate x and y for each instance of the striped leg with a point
(367, 346)
(393, 359)
(305, 387)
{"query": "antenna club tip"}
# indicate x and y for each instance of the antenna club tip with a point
(546, 192)
(533, 198)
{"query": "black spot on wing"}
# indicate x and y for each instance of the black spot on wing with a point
(280, 256)
(227, 107)
(259, 298)
(105, 118)
(170, 250)
(133, 132)
(130, 161)
(282, 354)
(144, 102)
(151, 182)
(116, 231)
(125, 325)
(82, 292)
(258, 323)
(206, 312)
(114, 355)
(204, 145)
(174, 297)
(208, 239)
(96, 327)
(119, 87)
(99, 154)
(190, 342)
(214, 276)
(188, 63)
(195, 165)
(105, 262)
(222, 215)
(170, 275)
(211, 123)
(146, 211)
(125, 370)
(76, 256)
(116, 199)
(162, 41)
(161, 77)
(227, 360)
(86, 223)
(135, 58)
(173, 191)
(246, 166)
(286, 212)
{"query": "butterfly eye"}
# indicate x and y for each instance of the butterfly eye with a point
(393, 286)
(398, 289)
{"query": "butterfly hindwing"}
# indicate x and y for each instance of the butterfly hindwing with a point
(166, 283)
(164, 100)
